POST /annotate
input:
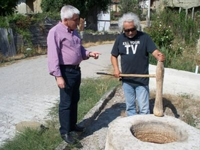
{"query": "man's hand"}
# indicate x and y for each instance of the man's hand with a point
(158, 55)
(114, 62)
(117, 73)
(60, 82)
(94, 54)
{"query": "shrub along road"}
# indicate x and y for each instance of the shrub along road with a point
(27, 91)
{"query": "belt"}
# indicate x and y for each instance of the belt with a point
(71, 66)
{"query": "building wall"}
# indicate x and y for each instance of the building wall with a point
(37, 8)
(21, 6)
(103, 22)
(29, 6)
(183, 3)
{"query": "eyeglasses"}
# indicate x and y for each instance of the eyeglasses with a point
(128, 30)
(75, 20)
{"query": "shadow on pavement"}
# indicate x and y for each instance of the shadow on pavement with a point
(107, 116)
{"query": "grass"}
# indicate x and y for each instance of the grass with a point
(34, 140)
(48, 139)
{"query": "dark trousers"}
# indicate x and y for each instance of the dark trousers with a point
(69, 97)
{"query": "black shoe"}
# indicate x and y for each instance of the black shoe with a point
(68, 138)
(78, 129)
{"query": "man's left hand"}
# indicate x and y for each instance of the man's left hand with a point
(159, 56)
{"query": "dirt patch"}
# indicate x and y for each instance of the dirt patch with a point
(149, 133)
(182, 107)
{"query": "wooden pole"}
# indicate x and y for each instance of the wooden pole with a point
(138, 75)
(130, 75)
(158, 106)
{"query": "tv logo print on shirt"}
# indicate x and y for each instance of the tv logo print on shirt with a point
(131, 44)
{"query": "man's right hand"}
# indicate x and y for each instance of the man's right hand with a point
(117, 73)
(114, 62)
(60, 82)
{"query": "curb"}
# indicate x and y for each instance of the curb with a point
(93, 113)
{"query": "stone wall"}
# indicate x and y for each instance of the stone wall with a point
(7, 45)
(39, 32)
(99, 38)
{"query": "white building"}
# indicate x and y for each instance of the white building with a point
(29, 6)
(103, 22)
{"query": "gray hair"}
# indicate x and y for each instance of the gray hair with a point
(129, 17)
(68, 11)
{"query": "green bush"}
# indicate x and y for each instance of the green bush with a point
(40, 17)
(175, 34)
(184, 27)
(162, 35)
(4, 22)
(20, 21)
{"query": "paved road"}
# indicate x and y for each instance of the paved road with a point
(27, 91)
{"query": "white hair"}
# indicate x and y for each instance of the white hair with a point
(68, 11)
(129, 17)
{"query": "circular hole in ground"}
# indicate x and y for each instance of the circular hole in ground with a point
(157, 132)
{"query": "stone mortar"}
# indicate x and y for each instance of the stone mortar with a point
(141, 132)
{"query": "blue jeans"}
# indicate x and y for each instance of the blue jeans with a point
(139, 93)
(69, 97)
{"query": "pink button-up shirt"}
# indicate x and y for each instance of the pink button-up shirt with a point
(64, 48)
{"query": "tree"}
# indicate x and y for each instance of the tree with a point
(51, 5)
(88, 8)
(7, 7)
(129, 6)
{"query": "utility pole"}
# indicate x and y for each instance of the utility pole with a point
(148, 15)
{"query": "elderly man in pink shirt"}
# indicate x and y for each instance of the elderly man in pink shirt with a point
(65, 53)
